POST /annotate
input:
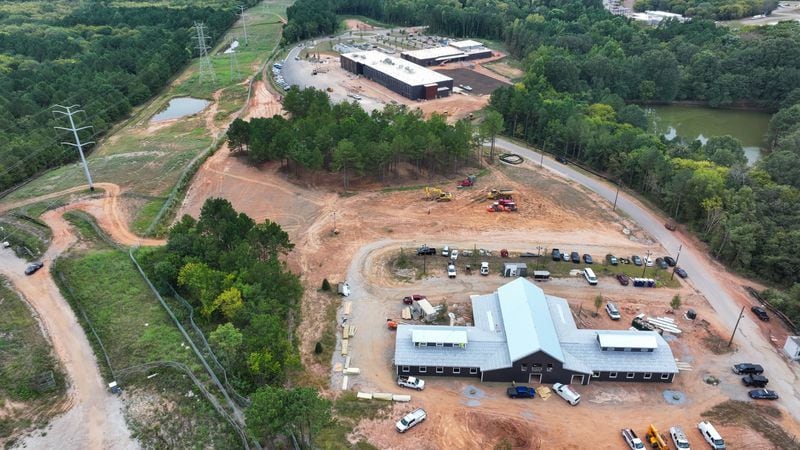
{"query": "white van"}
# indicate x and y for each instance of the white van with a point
(566, 392)
(485, 268)
(711, 435)
(411, 419)
(590, 276)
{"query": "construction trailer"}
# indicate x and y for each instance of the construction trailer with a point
(424, 310)
(515, 269)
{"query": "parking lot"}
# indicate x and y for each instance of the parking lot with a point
(480, 84)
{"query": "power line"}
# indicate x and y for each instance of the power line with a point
(68, 111)
(206, 69)
(234, 64)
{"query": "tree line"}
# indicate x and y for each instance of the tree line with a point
(343, 137)
(107, 58)
(231, 271)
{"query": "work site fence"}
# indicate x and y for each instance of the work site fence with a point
(238, 415)
(774, 310)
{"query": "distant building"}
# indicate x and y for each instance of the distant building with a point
(454, 51)
(792, 347)
(521, 334)
(653, 18)
(401, 76)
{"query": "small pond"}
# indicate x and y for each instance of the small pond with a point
(181, 107)
(700, 123)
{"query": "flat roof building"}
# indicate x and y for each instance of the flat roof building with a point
(454, 51)
(521, 334)
(401, 76)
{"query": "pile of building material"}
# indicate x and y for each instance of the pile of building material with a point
(665, 323)
(384, 396)
(543, 392)
(684, 366)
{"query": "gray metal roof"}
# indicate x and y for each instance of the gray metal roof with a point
(485, 350)
(397, 68)
(526, 319)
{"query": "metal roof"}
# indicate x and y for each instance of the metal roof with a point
(434, 53)
(397, 68)
(439, 336)
(626, 339)
(486, 350)
(526, 320)
(465, 44)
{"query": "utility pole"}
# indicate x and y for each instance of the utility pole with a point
(69, 111)
(676, 262)
(741, 314)
(616, 196)
(644, 263)
(234, 65)
(244, 22)
(206, 69)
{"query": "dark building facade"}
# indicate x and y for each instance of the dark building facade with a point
(403, 77)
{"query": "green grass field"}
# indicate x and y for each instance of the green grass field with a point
(25, 355)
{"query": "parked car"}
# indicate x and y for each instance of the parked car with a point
(670, 261)
(671, 226)
(661, 263)
(425, 250)
(446, 251)
(631, 439)
(411, 382)
(763, 394)
(680, 272)
(454, 254)
(411, 298)
(649, 262)
(556, 253)
(33, 267)
(451, 271)
(575, 257)
(411, 420)
(758, 381)
(623, 279)
(612, 259)
(567, 393)
(637, 260)
(711, 435)
(484, 268)
(565, 257)
(679, 438)
(612, 311)
(561, 159)
(760, 312)
(747, 368)
(521, 392)
(623, 260)
(587, 258)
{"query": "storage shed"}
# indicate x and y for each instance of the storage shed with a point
(515, 269)
(424, 310)
(792, 347)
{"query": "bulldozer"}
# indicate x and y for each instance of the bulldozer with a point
(497, 194)
(433, 193)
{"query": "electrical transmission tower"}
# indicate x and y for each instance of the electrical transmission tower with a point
(70, 111)
(234, 65)
(206, 69)
(244, 22)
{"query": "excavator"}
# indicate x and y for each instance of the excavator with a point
(655, 439)
(433, 193)
(498, 194)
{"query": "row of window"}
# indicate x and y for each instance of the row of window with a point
(626, 349)
(535, 367)
(424, 369)
(631, 375)
(439, 344)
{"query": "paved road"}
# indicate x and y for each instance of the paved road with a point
(753, 346)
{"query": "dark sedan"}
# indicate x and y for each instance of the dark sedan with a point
(623, 279)
(670, 261)
(587, 258)
(33, 267)
(661, 263)
(575, 257)
(763, 394)
(556, 254)
(760, 312)
(637, 260)
(681, 273)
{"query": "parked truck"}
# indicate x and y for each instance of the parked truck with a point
(411, 382)
(655, 439)
(679, 438)
(567, 393)
(632, 440)
(521, 392)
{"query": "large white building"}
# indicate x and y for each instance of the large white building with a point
(401, 76)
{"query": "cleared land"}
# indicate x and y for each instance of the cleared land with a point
(480, 84)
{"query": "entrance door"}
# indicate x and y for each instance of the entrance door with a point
(578, 377)
(535, 378)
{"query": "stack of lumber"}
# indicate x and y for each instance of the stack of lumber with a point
(665, 323)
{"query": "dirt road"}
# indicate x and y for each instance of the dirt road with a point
(707, 276)
(95, 421)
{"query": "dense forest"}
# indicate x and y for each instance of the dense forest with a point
(585, 72)
(105, 57)
(714, 9)
(229, 268)
(343, 137)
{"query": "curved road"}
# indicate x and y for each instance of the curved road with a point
(753, 347)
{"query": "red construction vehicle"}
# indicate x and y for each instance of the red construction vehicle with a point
(391, 324)
(502, 206)
(467, 182)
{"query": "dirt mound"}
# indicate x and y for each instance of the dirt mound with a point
(493, 429)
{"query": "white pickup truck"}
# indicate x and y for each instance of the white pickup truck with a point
(411, 382)
(567, 393)
(679, 438)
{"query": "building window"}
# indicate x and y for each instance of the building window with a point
(423, 369)
(549, 367)
(535, 367)
(612, 375)
(524, 367)
(456, 370)
(665, 376)
(595, 374)
(630, 375)
(648, 376)
(440, 344)
(473, 370)
(610, 349)
(440, 370)
(406, 369)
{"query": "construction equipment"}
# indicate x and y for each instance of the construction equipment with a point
(496, 194)
(508, 206)
(467, 182)
(391, 324)
(655, 439)
(445, 197)
(433, 193)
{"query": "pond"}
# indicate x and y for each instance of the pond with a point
(181, 107)
(700, 123)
